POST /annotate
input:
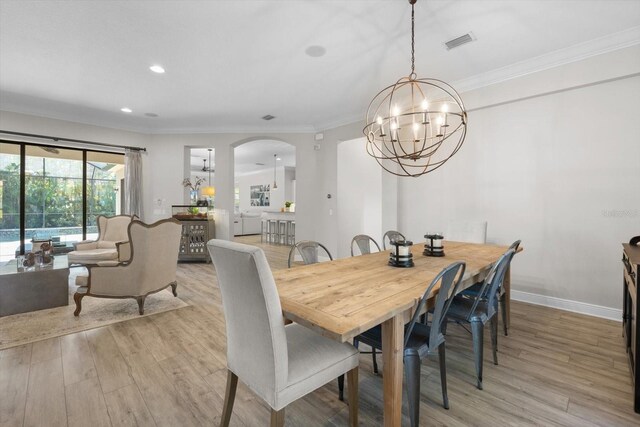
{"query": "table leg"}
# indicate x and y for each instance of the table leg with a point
(507, 294)
(392, 343)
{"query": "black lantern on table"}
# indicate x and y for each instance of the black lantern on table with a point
(401, 255)
(434, 246)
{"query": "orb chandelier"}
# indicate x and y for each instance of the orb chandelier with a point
(415, 125)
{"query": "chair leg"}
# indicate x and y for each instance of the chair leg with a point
(341, 388)
(140, 304)
(174, 289)
(78, 299)
(443, 375)
(352, 380)
(443, 327)
(277, 418)
(412, 369)
(477, 332)
(494, 338)
(229, 397)
(503, 308)
(375, 362)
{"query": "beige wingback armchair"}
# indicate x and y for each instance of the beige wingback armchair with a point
(151, 268)
(112, 242)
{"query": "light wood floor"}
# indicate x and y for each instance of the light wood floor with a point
(556, 368)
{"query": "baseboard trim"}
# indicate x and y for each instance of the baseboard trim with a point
(568, 305)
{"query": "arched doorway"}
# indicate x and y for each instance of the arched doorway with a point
(264, 187)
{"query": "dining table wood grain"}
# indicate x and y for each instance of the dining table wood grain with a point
(342, 298)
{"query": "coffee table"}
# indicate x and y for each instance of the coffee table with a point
(35, 288)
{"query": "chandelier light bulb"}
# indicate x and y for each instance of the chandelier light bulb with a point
(444, 108)
(379, 120)
(396, 111)
(424, 104)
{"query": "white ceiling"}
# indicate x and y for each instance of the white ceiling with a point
(247, 155)
(231, 62)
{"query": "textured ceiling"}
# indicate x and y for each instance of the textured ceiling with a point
(228, 63)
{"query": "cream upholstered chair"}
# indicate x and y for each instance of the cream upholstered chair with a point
(112, 242)
(151, 268)
(279, 363)
(467, 231)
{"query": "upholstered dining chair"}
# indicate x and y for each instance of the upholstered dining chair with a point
(466, 231)
(422, 339)
(150, 269)
(112, 242)
(309, 252)
(480, 310)
(391, 236)
(474, 290)
(279, 363)
(363, 242)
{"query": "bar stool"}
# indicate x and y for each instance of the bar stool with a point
(291, 233)
(264, 230)
(272, 236)
(283, 231)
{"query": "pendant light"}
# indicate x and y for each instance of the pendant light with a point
(209, 190)
(416, 124)
(275, 158)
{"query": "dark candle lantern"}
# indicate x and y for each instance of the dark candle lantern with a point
(401, 255)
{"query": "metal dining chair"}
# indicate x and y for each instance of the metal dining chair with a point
(481, 309)
(364, 244)
(391, 236)
(309, 251)
(423, 339)
(473, 291)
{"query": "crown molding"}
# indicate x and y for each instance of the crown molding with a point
(233, 130)
(609, 43)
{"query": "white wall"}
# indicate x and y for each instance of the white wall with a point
(359, 196)
(552, 159)
(263, 177)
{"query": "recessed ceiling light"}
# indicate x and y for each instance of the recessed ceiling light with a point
(157, 69)
(151, 114)
(126, 110)
(315, 51)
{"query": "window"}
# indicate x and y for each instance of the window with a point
(63, 191)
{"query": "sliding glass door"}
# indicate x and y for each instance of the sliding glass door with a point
(9, 200)
(55, 193)
(105, 181)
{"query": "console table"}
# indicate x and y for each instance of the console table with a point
(631, 314)
(35, 288)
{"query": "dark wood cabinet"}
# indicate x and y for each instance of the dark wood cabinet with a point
(195, 235)
(630, 316)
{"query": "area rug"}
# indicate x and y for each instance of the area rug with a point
(25, 328)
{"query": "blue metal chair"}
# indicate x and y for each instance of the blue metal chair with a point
(473, 291)
(422, 339)
(480, 310)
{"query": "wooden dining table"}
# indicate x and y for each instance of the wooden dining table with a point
(343, 298)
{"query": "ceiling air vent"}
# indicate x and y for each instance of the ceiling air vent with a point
(459, 41)
(259, 164)
(268, 117)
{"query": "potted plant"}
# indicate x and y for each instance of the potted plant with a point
(287, 206)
